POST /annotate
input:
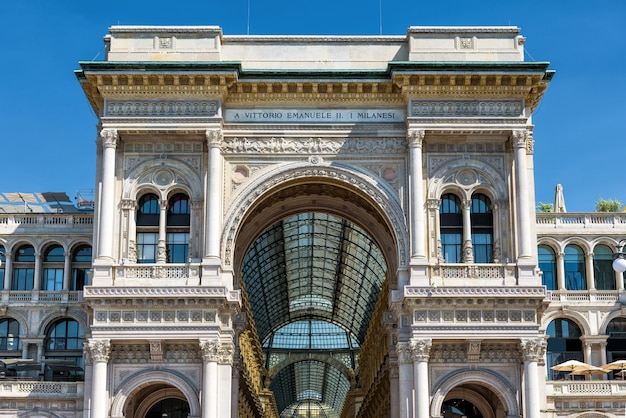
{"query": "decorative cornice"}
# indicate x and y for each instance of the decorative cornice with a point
(91, 292)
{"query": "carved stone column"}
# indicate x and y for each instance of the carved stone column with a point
(418, 229)
(99, 351)
(8, 269)
(591, 281)
(560, 270)
(533, 350)
(67, 270)
(420, 353)
(108, 139)
(37, 275)
(520, 138)
(213, 201)
(405, 380)
(210, 351)
(161, 250)
(468, 251)
(225, 355)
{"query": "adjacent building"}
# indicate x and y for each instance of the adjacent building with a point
(309, 226)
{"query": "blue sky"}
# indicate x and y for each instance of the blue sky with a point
(48, 130)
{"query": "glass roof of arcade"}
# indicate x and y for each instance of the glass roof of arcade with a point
(312, 281)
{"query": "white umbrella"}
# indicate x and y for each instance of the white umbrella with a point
(571, 366)
(616, 365)
(589, 371)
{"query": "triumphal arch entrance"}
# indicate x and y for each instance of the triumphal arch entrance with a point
(293, 226)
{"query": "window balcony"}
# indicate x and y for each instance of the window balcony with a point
(31, 389)
(448, 274)
(586, 297)
(157, 274)
(587, 395)
(27, 297)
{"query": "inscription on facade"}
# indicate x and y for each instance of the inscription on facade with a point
(313, 115)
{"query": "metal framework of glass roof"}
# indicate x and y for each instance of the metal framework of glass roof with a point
(312, 281)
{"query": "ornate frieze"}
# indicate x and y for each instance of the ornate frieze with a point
(474, 351)
(180, 317)
(312, 145)
(467, 108)
(160, 108)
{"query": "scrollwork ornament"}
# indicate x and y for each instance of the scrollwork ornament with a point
(108, 138)
(420, 349)
(225, 354)
(533, 349)
(210, 350)
(416, 137)
(214, 137)
(99, 350)
(519, 138)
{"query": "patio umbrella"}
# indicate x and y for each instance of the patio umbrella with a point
(559, 200)
(589, 371)
(571, 366)
(616, 365)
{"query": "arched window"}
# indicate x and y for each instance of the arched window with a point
(24, 268)
(170, 407)
(64, 341)
(10, 335)
(603, 272)
(482, 228)
(451, 221)
(547, 265)
(178, 214)
(148, 214)
(563, 344)
(575, 277)
(53, 260)
(616, 343)
(81, 263)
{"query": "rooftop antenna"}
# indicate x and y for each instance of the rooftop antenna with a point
(248, 32)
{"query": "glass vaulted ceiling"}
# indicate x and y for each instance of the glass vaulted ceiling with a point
(312, 281)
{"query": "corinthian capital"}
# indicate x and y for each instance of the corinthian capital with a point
(108, 138)
(210, 350)
(404, 353)
(416, 137)
(520, 138)
(214, 137)
(98, 350)
(225, 354)
(420, 349)
(533, 349)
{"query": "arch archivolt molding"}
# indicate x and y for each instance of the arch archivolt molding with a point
(164, 176)
(467, 176)
(579, 319)
(489, 379)
(380, 197)
(144, 379)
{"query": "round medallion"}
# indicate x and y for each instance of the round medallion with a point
(163, 178)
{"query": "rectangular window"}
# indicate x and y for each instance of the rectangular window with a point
(177, 247)
(23, 279)
(52, 279)
(79, 278)
(451, 247)
(482, 247)
(147, 247)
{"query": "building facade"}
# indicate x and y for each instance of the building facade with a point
(310, 226)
